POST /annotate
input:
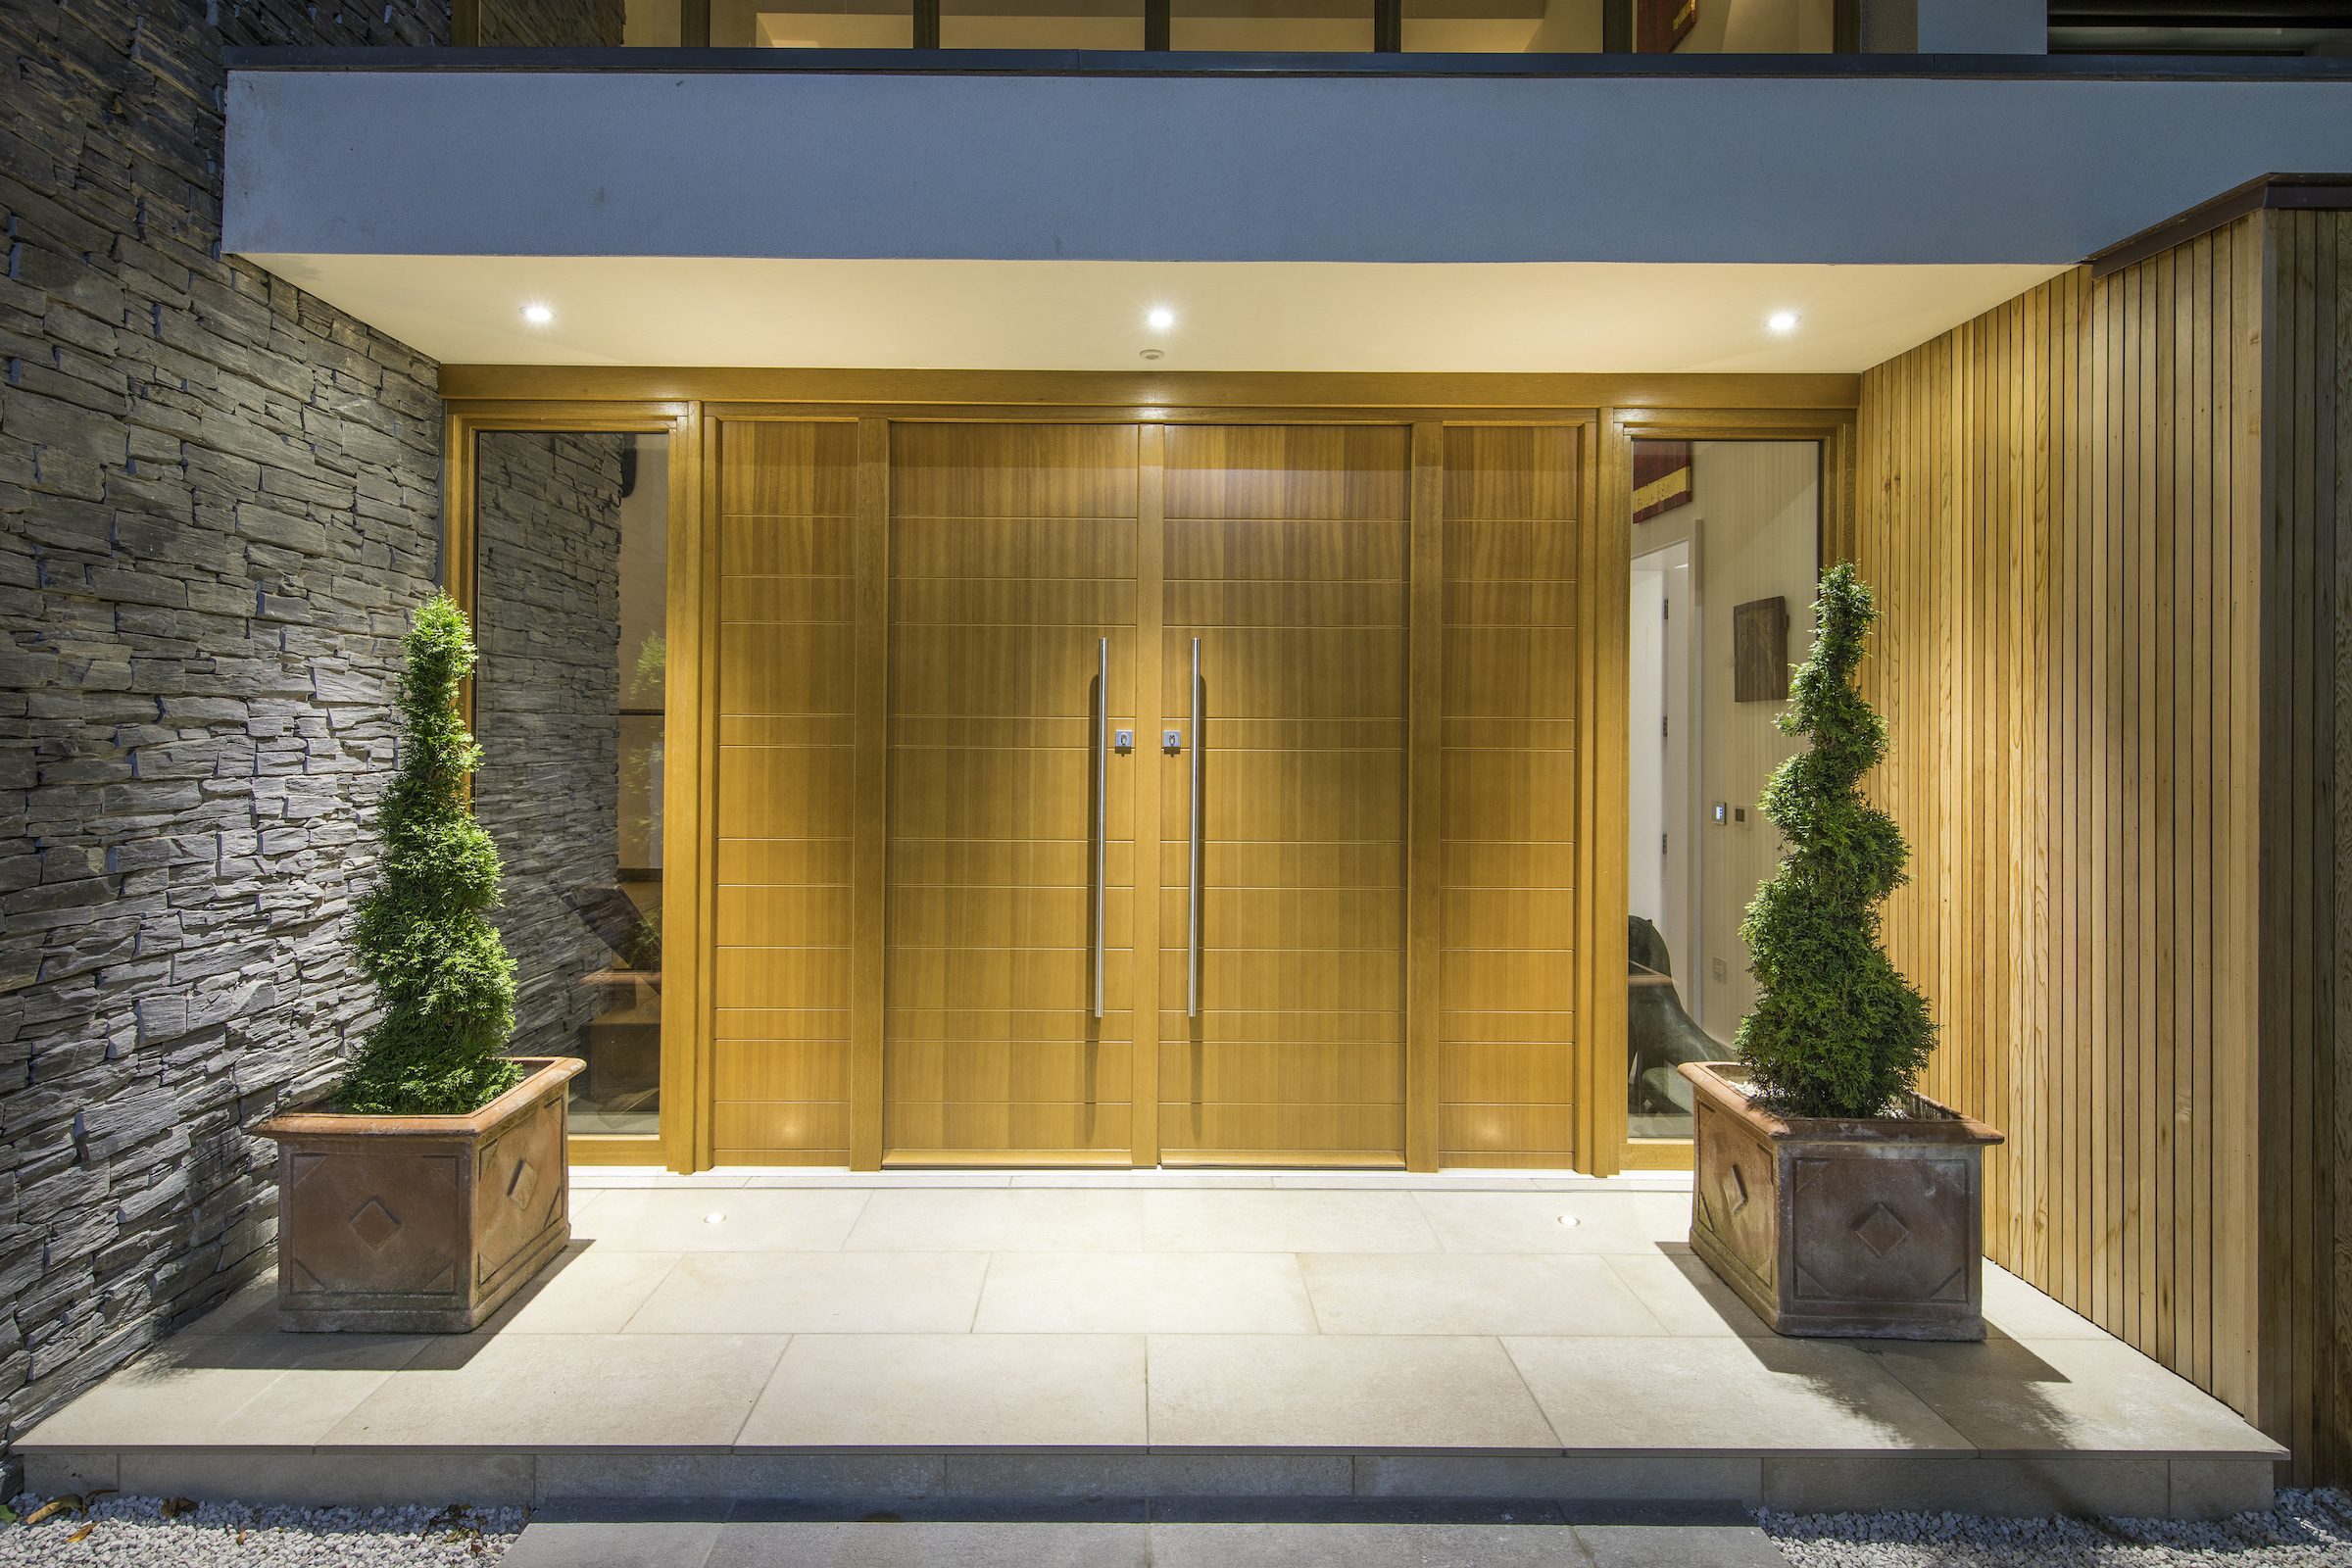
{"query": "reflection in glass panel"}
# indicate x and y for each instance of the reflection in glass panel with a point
(1736, 26)
(1341, 27)
(1725, 550)
(1500, 27)
(1040, 24)
(571, 607)
(650, 24)
(813, 23)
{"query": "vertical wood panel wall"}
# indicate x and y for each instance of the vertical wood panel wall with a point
(2095, 600)
(2306, 909)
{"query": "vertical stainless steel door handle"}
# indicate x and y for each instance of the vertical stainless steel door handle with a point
(1192, 897)
(1102, 804)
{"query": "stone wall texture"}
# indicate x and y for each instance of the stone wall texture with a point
(218, 501)
(527, 23)
(547, 709)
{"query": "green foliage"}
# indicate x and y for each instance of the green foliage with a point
(1838, 1031)
(643, 949)
(653, 666)
(423, 935)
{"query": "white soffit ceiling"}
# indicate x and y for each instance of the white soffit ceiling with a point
(1089, 316)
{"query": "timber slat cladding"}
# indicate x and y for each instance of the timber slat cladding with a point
(2103, 524)
(2304, 980)
(786, 793)
(2045, 494)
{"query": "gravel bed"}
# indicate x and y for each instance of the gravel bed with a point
(161, 1533)
(2304, 1530)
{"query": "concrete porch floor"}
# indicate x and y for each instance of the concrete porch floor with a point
(1099, 1340)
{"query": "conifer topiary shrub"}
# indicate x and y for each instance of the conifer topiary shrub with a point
(1837, 1030)
(423, 936)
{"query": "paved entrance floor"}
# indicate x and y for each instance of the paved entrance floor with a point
(1068, 1340)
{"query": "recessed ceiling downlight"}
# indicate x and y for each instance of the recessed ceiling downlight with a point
(1160, 318)
(1781, 320)
(538, 315)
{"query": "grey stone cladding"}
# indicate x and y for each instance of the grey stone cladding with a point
(218, 501)
(546, 701)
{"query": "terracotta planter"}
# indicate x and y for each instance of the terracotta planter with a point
(420, 1224)
(1871, 1228)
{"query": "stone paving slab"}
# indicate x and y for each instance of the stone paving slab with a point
(733, 1543)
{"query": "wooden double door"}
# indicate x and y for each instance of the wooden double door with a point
(1110, 861)
(1147, 785)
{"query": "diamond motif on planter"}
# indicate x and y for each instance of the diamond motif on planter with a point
(1880, 1231)
(1734, 1192)
(374, 1224)
(521, 1184)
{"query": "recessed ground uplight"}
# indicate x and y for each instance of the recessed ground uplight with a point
(1160, 318)
(1781, 320)
(538, 315)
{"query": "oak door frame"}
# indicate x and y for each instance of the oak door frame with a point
(1832, 430)
(685, 722)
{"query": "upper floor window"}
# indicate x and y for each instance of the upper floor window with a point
(1298, 26)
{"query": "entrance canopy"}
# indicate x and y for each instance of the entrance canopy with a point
(826, 208)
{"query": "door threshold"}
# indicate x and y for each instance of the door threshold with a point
(1001, 1159)
(1264, 1159)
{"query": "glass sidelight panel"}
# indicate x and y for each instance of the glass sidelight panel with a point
(571, 557)
(1725, 554)
(1040, 24)
(1248, 26)
(1499, 26)
(814, 24)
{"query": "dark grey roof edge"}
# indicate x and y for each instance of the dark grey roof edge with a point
(1143, 62)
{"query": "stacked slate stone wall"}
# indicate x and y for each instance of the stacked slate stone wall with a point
(218, 501)
(547, 710)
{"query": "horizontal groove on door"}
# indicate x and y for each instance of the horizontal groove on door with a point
(779, 1036)
(1507, 957)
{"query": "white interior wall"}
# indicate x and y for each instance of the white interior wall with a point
(1660, 840)
(1645, 751)
(1758, 507)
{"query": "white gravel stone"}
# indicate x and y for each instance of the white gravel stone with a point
(134, 1533)
(2304, 1530)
